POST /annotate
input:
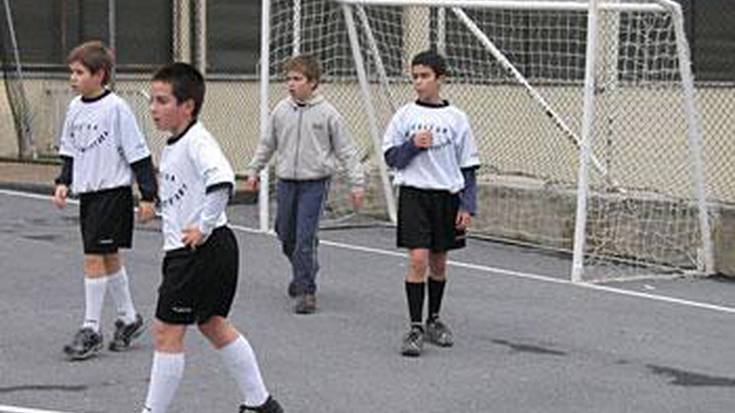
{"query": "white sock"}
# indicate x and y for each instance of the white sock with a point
(240, 360)
(94, 297)
(166, 372)
(119, 288)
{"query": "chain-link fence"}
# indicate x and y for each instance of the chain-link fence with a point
(147, 34)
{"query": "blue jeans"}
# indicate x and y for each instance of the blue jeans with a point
(300, 205)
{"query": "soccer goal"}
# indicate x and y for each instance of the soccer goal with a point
(540, 80)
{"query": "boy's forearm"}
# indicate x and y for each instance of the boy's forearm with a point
(67, 168)
(468, 195)
(400, 156)
(215, 203)
(260, 159)
(146, 178)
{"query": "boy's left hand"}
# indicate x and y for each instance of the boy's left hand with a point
(357, 195)
(146, 211)
(463, 220)
(192, 236)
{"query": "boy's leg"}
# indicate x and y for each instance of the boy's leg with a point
(286, 225)
(239, 358)
(415, 292)
(168, 366)
(416, 284)
(119, 286)
(88, 340)
(437, 281)
(95, 287)
(129, 324)
(436, 331)
(311, 197)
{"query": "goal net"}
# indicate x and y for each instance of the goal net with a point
(518, 69)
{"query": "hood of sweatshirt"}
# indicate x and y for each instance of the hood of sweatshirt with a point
(314, 100)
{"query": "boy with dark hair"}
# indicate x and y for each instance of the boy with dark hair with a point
(430, 145)
(101, 147)
(200, 266)
(309, 136)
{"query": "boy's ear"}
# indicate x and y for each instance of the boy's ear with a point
(100, 75)
(189, 106)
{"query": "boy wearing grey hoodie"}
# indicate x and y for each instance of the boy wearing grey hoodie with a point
(309, 137)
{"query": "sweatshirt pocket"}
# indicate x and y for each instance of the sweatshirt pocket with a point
(322, 146)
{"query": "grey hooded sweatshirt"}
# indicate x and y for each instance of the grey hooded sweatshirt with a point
(308, 139)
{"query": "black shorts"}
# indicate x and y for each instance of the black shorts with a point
(426, 219)
(106, 219)
(201, 283)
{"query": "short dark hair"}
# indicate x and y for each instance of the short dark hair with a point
(186, 83)
(306, 65)
(431, 59)
(94, 56)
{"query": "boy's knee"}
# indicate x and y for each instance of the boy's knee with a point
(218, 331)
(168, 337)
(417, 271)
(94, 265)
(112, 263)
(438, 266)
(438, 271)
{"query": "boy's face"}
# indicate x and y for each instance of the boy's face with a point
(83, 81)
(168, 114)
(426, 83)
(299, 86)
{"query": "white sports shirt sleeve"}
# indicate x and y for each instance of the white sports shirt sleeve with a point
(132, 141)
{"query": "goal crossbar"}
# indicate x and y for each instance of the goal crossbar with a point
(513, 5)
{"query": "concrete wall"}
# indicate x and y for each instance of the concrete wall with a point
(8, 135)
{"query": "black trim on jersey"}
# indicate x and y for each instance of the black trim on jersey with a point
(146, 178)
(172, 140)
(444, 103)
(65, 176)
(95, 99)
(220, 186)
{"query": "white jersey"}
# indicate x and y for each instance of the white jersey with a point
(190, 163)
(453, 146)
(103, 138)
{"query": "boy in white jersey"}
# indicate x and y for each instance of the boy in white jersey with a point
(308, 136)
(430, 145)
(101, 148)
(200, 266)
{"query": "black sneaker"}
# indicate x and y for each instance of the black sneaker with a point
(86, 343)
(293, 289)
(438, 333)
(305, 304)
(126, 333)
(270, 406)
(413, 342)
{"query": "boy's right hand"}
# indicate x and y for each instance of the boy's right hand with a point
(60, 193)
(252, 183)
(146, 211)
(423, 139)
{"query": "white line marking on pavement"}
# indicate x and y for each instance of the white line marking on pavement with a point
(524, 275)
(33, 196)
(15, 409)
(482, 268)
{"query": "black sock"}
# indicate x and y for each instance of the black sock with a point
(415, 296)
(436, 292)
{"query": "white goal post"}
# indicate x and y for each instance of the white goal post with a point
(584, 113)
